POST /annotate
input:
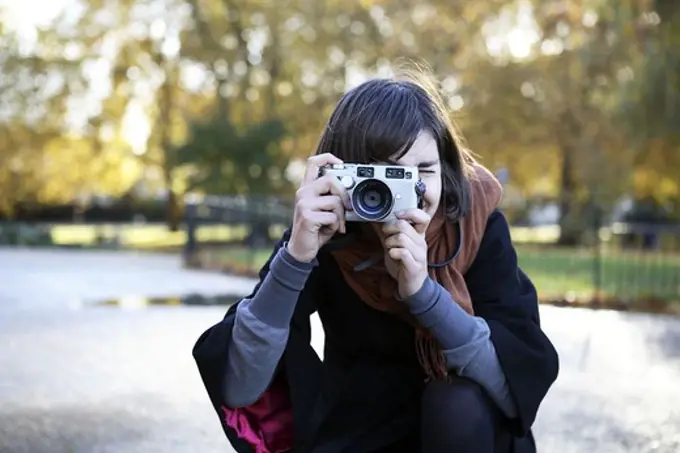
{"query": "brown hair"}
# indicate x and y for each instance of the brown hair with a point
(381, 118)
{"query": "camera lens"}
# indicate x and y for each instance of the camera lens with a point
(372, 200)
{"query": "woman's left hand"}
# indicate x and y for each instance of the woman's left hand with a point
(406, 250)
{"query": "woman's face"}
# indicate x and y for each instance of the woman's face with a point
(424, 154)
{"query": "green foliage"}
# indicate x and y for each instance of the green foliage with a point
(651, 101)
(579, 100)
(233, 160)
(25, 235)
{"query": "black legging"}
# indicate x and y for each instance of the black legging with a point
(457, 417)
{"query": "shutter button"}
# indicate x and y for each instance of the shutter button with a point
(347, 182)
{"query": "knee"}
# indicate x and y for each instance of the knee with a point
(456, 415)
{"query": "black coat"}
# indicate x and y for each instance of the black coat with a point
(366, 392)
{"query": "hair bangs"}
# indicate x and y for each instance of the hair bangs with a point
(377, 121)
(391, 124)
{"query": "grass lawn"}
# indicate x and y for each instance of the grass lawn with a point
(556, 272)
(140, 236)
(157, 235)
(622, 274)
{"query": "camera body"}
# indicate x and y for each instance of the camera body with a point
(377, 191)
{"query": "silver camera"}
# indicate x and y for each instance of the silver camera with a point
(376, 192)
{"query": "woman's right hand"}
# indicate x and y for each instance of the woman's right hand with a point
(319, 213)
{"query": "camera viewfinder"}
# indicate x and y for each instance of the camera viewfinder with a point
(394, 173)
(365, 172)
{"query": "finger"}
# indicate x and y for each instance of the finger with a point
(389, 228)
(398, 240)
(318, 190)
(324, 219)
(402, 226)
(405, 258)
(330, 184)
(331, 203)
(324, 186)
(322, 203)
(315, 162)
(417, 217)
(403, 241)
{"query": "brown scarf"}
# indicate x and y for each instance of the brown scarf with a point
(377, 289)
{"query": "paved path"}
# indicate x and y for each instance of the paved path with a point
(83, 379)
(58, 278)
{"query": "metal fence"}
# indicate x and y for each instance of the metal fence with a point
(625, 264)
(622, 263)
(251, 224)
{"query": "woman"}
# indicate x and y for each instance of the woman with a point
(432, 335)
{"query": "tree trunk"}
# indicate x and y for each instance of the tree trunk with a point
(571, 228)
(172, 211)
(164, 128)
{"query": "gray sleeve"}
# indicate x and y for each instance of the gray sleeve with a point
(465, 340)
(260, 330)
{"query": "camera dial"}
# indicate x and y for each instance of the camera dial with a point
(347, 181)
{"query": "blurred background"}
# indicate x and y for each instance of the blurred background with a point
(149, 151)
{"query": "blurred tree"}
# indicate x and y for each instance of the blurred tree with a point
(34, 119)
(649, 110)
(571, 96)
(549, 114)
(242, 161)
